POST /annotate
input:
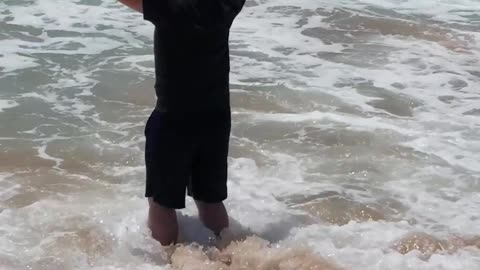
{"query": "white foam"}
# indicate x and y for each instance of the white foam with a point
(124, 170)
(443, 10)
(7, 104)
(42, 153)
(11, 62)
(68, 16)
(50, 97)
(8, 189)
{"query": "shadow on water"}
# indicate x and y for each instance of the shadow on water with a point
(193, 231)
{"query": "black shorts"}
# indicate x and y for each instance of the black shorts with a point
(187, 152)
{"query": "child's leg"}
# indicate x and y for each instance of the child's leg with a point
(213, 215)
(163, 223)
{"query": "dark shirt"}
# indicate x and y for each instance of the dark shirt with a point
(192, 61)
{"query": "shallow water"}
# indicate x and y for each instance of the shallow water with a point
(354, 139)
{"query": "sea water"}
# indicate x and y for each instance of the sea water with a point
(355, 138)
